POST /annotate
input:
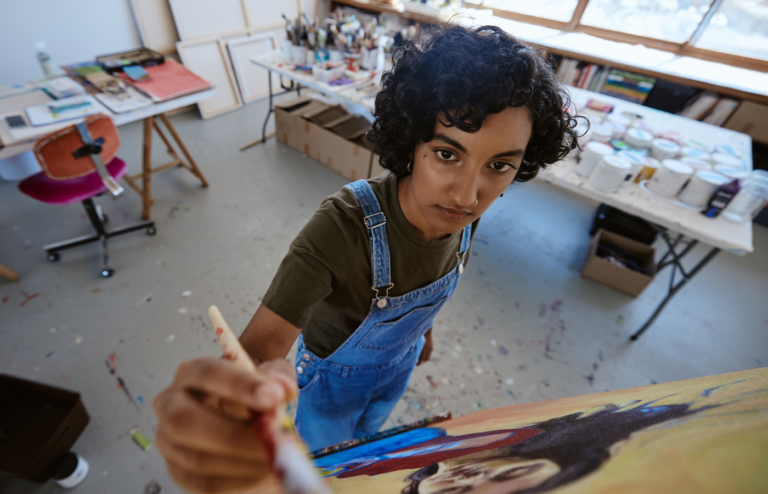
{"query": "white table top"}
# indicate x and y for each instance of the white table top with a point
(21, 140)
(734, 238)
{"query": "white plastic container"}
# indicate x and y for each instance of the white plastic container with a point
(694, 153)
(601, 133)
(636, 160)
(76, 472)
(327, 75)
(695, 143)
(725, 159)
(286, 50)
(619, 119)
(696, 163)
(610, 173)
(638, 138)
(701, 187)
(617, 130)
(733, 173)
(593, 152)
(670, 178)
(726, 149)
(664, 149)
(299, 54)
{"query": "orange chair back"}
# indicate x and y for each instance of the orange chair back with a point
(55, 151)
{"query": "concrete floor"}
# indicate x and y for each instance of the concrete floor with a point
(522, 327)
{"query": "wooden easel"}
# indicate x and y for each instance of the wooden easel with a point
(145, 190)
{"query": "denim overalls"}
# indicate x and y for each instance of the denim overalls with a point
(351, 393)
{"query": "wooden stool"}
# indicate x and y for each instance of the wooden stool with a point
(145, 189)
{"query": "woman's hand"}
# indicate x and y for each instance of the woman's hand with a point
(205, 450)
(426, 352)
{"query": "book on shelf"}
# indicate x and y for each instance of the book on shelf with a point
(582, 75)
(700, 105)
(628, 86)
(721, 111)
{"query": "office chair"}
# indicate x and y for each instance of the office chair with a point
(73, 166)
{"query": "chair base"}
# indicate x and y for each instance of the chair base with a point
(98, 220)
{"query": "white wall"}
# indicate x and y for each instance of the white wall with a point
(75, 31)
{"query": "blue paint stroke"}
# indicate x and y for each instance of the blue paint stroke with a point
(140, 399)
(710, 391)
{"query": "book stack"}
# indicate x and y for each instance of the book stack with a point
(583, 75)
(628, 86)
(721, 111)
(699, 105)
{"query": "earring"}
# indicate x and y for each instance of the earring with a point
(409, 167)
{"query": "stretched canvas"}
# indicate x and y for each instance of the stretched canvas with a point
(696, 436)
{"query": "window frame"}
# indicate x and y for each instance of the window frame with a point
(686, 48)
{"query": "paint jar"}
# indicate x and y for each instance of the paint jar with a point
(670, 178)
(725, 159)
(286, 50)
(584, 131)
(619, 119)
(637, 161)
(336, 56)
(726, 149)
(664, 149)
(601, 133)
(617, 130)
(299, 54)
(694, 143)
(610, 173)
(649, 169)
(670, 135)
(693, 153)
(751, 200)
(638, 138)
(71, 471)
(733, 173)
(593, 152)
(696, 163)
(701, 187)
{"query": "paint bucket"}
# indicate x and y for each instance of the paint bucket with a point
(637, 161)
(664, 149)
(617, 130)
(730, 150)
(733, 173)
(694, 143)
(584, 131)
(638, 138)
(72, 470)
(670, 135)
(593, 152)
(696, 163)
(601, 133)
(610, 173)
(670, 178)
(19, 167)
(694, 153)
(619, 119)
(701, 187)
(725, 159)
(649, 169)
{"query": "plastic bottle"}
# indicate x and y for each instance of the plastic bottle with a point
(46, 62)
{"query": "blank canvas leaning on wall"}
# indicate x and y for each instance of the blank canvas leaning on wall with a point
(156, 26)
(196, 19)
(209, 59)
(251, 78)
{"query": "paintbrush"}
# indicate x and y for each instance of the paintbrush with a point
(287, 453)
(122, 384)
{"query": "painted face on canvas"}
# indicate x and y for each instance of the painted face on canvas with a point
(488, 472)
(457, 175)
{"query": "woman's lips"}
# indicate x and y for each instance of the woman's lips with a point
(452, 214)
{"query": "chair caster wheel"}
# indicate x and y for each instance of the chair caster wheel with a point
(54, 256)
(107, 272)
(151, 231)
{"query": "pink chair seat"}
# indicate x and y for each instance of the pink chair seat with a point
(44, 189)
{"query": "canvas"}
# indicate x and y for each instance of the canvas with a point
(696, 436)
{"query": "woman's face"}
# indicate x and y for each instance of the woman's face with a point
(485, 474)
(457, 169)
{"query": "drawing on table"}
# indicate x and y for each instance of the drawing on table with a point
(650, 438)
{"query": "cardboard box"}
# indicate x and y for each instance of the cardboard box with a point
(286, 118)
(623, 279)
(39, 423)
(750, 118)
(321, 134)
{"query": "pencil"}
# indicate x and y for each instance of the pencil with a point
(287, 453)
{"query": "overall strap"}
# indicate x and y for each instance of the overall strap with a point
(466, 236)
(375, 222)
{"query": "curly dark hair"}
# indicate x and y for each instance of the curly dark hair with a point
(460, 75)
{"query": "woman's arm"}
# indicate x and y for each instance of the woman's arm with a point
(268, 336)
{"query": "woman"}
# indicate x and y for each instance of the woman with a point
(462, 114)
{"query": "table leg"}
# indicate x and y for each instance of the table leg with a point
(195, 170)
(677, 264)
(146, 169)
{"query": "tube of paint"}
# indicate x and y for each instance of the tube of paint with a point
(720, 199)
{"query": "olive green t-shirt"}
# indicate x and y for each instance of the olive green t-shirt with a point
(323, 285)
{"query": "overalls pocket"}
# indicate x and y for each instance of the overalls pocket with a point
(307, 377)
(398, 332)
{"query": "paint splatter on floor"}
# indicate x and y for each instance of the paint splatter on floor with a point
(503, 350)
(27, 298)
(153, 487)
(620, 320)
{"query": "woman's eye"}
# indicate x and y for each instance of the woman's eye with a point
(500, 166)
(446, 155)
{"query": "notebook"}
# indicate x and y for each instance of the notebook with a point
(169, 80)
